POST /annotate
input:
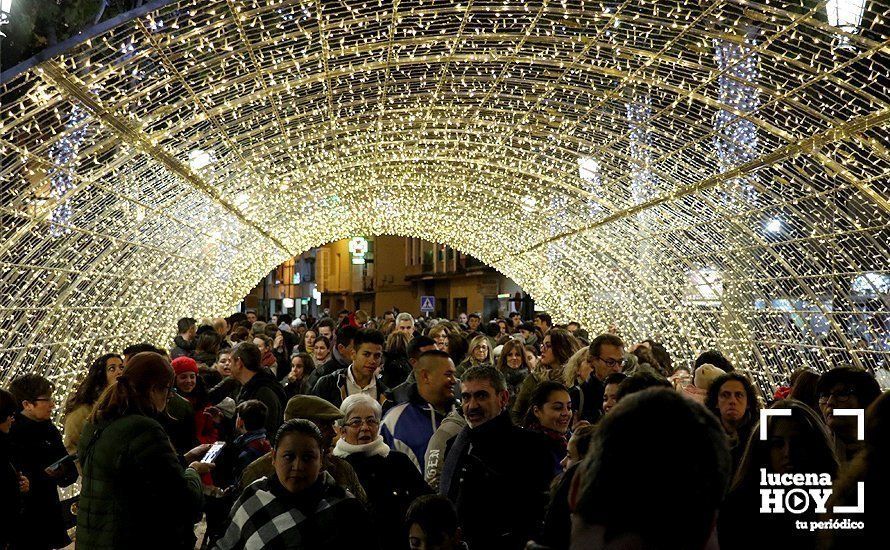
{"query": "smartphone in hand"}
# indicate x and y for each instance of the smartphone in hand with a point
(59, 464)
(213, 452)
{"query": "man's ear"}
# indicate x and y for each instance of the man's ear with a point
(504, 396)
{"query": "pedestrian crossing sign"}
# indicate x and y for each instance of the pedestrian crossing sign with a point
(427, 304)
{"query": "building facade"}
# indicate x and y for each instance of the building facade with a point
(378, 274)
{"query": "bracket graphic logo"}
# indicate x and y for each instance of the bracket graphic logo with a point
(798, 493)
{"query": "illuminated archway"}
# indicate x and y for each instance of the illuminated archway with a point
(713, 174)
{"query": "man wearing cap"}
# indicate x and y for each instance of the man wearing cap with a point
(322, 414)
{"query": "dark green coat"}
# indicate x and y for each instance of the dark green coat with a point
(134, 492)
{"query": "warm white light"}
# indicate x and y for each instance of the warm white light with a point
(502, 130)
(199, 158)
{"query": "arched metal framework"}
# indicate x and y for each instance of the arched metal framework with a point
(710, 173)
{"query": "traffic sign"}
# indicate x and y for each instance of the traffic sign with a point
(427, 304)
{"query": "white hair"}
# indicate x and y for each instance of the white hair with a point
(404, 316)
(354, 401)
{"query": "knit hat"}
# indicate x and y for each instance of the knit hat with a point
(227, 406)
(311, 407)
(705, 374)
(184, 364)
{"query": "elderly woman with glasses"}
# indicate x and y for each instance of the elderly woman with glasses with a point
(389, 477)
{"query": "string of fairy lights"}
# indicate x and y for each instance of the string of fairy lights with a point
(710, 174)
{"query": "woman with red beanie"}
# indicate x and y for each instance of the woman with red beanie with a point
(190, 386)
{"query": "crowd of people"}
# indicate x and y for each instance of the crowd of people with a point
(396, 432)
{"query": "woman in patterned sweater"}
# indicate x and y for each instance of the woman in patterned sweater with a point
(300, 507)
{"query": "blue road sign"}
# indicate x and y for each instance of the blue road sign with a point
(427, 304)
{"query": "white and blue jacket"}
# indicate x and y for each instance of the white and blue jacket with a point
(408, 427)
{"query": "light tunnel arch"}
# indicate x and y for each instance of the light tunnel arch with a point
(705, 122)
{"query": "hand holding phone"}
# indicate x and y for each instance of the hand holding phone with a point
(57, 468)
(213, 453)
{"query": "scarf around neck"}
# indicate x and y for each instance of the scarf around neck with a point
(377, 447)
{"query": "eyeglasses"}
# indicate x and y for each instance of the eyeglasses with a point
(357, 422)
(612, 363)
(546, 345)
(840, 396)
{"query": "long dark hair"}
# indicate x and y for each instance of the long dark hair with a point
(819, 454)
(803, 388)
(539, 398)
(563, 345)
(208, 342)
(132, 392)
(308, 363)
(91, 386)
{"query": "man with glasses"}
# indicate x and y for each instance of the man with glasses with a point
(36, 445)
(607, 357)
(845, 388)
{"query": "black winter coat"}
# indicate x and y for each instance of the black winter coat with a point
(332, 388)
(587, 400)
(266, 388)
(558, 518)
(330, 366)
(392, 483)
(36, 445)
(181, 347)
(498, 458)
(10, 497)
(395, 370)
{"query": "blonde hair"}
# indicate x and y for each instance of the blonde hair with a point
(478, 341)
(573, 366)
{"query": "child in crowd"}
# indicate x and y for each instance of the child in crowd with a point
(252, 443)
(431, 522)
